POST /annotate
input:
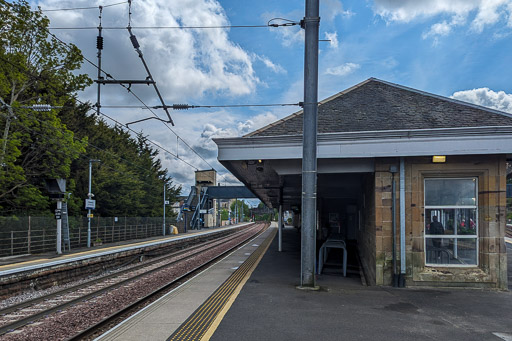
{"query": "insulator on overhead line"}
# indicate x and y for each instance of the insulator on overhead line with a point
(180, 106)
(41, 107)
(135, 43)
(99, 43)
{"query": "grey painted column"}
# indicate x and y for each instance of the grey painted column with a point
(402, 223)
(280, 229)
(309, 153)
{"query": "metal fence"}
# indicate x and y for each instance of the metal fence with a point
(30, 235)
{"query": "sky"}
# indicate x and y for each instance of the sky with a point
(457, 48)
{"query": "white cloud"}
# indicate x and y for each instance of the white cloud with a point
(185, 63)
(342, 70)
(189, 66)
(276, 68)
(330, 9)
(485, 97)
(487, 12)
(333, 37)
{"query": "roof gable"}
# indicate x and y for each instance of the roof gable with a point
(375, 105)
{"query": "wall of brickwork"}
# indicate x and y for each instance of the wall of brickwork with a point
(491, 173)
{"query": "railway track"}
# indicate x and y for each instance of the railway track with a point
(135, 285)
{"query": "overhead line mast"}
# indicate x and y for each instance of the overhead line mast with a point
(149, 79)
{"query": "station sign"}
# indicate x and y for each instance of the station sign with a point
(90, 204)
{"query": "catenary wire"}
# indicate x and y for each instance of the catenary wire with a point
(146, 106)
(83, 155)
(290, 23)
(269, 24)
(114, 120)
(81, 8)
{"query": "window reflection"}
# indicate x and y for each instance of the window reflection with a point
(456, 221)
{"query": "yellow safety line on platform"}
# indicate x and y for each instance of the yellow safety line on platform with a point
(26, 262)
(203, 322)
(72, 255)
(220, 316)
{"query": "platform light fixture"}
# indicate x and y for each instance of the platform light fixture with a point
(439, 158)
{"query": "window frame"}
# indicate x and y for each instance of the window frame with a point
(451, 236)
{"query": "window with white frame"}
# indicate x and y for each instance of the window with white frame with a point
(451, 221)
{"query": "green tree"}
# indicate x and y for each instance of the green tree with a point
(34, 68)
(224, 214)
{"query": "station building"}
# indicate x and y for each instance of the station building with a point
(448, 161)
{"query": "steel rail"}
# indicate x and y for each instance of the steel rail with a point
(68, 290)
(34, 317)
(92, 329)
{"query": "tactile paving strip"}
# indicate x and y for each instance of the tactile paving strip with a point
(200, 321)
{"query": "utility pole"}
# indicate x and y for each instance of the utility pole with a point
(311, 25)
(91, 204)
(199, 209)
(99, 46)
(163, 227)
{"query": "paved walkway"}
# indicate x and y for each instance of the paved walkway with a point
(269, 307)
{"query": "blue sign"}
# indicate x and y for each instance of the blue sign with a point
(509, 191)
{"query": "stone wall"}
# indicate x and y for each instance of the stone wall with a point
(491, 271)
(366, 236)
(383, 219)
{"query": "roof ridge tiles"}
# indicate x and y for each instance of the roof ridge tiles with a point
(381, 108)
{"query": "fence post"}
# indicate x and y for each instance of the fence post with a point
(12, 243)
(113, 225)
(125, 228)
(44, 235)
(28, 237)
(98, 228)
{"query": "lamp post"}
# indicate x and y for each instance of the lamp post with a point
(90, 195)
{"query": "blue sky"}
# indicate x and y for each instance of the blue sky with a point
(458, 48)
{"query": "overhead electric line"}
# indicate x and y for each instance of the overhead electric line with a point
(145, 106)
(81, 8)
(187, 106)
(270, 23)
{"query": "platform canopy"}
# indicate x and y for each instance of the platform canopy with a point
(373, 119)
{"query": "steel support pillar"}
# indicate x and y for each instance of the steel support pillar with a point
(280, 228)
(311, 25)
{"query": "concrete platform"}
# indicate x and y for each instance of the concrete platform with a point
(271, 308)
(164, 317)
(10, 265)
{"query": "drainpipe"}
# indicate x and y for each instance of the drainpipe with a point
(402, 223)
(393, 170)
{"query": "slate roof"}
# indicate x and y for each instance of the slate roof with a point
(378, 105)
